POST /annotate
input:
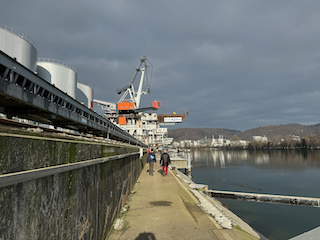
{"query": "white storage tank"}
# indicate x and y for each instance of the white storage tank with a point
(43, 73)
(58, 73)
(85, 95)
(18, 45)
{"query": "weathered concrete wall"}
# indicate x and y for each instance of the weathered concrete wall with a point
(61, 205)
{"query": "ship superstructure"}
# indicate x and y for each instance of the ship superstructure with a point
(128, 114)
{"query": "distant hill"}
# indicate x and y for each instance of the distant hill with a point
(283, 130)
(268, 131)
(200, 133)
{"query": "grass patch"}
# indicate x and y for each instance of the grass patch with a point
(237, 227)
(242, 233)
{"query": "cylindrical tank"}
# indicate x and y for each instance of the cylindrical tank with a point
(58, 73)
(43, 73)
(85, 95)
(18, 45)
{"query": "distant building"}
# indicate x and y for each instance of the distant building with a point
(196, 143)
(259, 138)
(175, 144)
(295, 138)
(205, 142)
(242, 143)
(219, 142)
(209, 142)
(213, 142)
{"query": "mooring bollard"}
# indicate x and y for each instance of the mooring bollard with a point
(189, 161)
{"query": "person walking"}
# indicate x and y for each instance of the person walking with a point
(165, 160)
(151, 159)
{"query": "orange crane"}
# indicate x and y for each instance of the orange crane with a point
(130, 100)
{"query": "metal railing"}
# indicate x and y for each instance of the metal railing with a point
(84, 118)
(56, 61)
(16, 32)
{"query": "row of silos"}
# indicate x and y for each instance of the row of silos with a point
(19, 46)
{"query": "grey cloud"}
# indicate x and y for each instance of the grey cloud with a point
(232, 64)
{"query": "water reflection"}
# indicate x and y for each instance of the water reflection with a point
(218, 158)
(295, 173)
(276, 159)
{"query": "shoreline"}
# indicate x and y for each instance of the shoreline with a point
(237, 222)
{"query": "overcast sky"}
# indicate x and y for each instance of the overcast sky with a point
(234, 64)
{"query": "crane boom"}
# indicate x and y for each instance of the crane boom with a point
(132, 102)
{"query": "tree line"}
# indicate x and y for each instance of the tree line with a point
(287, 142)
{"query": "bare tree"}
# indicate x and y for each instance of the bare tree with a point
(288, 139)
(235, 138)
(305, 142)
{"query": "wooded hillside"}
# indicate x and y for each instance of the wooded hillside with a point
(200, 133)
(268, 131)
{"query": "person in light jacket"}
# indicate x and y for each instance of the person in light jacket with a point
(151, 159)
(165, 160)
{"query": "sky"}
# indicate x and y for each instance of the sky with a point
(232, 64)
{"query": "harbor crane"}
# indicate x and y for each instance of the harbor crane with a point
(129, 115)
(129, 103)
(130, 100)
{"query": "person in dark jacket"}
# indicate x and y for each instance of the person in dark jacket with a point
(165, 160)
(151, 159)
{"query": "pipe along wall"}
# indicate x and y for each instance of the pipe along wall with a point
(58, 188)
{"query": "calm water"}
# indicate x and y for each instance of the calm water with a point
(291, 172)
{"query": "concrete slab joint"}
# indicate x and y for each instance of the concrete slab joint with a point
(224, 217)
(209, 208)
(199, 187)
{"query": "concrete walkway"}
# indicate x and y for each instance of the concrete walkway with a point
(163, 207)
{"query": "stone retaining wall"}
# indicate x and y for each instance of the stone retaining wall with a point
(69, 205)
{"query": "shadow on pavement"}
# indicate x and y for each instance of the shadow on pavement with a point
(146, 236)
(161, 203)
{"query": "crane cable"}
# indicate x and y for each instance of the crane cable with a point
(149, 83)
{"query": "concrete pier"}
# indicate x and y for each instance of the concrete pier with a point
(312, 234)
(268, 198)
(163, 207)
(181, 160)
(179, 163)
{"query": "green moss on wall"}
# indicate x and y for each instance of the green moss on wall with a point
(50, 207)
(72, 153)
(71, 183)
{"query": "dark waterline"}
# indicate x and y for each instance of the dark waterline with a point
(294, 173)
